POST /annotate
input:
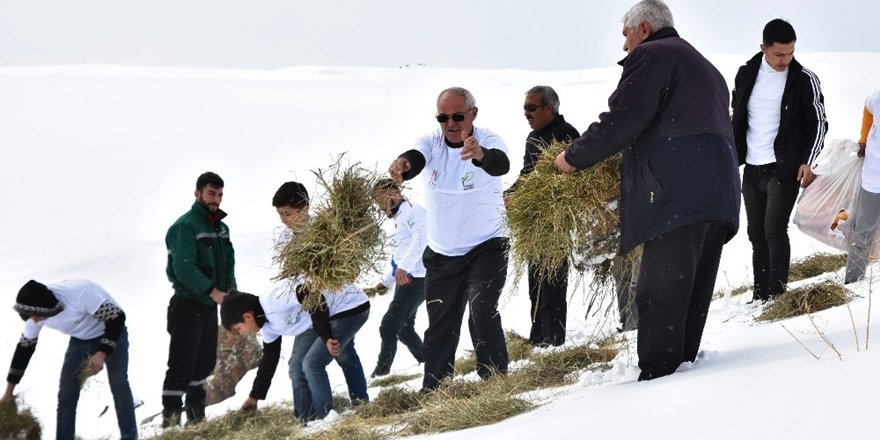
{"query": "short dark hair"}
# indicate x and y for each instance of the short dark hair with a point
(208, 178)
(778, 31)
(385, 184)
(236, 304)
(292, 194)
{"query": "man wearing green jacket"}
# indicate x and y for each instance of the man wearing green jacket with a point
(201, 265)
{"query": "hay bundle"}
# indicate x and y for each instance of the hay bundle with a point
(554, 216)
(344, 237)
(807, 299)
(15, 424)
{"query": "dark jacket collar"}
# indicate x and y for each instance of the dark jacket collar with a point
(754, 64)
(666, 32)
(557, 121)
(203, 213)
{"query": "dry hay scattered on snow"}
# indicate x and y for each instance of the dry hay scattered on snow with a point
(807, 299)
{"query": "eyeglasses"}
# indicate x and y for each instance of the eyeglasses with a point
(532, 107)
(457, 117)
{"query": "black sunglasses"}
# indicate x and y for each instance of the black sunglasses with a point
(443, 117)
(532, 107)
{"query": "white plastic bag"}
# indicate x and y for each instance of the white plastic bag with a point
(826, 208)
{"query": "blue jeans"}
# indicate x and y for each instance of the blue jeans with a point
(398, 323)
(348, 360)
(116, 365)
(312, 395)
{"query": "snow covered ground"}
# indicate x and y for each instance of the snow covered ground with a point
(99, 160)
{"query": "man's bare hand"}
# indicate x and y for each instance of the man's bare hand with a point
(249, 404)
(218, 296)
(471, 150)
(401, 277)
(562, 165)
(397, 168)
(333, 347)
(805, 175)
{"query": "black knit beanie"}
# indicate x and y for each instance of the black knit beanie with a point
(35, 299)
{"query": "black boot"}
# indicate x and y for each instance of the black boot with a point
(171, 418)
(195, 413)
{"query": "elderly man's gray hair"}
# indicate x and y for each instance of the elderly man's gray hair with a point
(469, 99)
(548, 97)
(655, 12)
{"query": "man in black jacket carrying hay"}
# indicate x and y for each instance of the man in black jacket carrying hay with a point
(680, 185)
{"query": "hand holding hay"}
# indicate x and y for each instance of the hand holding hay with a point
(89, 367)
(554, 216)
(344, 237)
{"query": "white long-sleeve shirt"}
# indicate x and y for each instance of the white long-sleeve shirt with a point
(408, 238)
(464, 204)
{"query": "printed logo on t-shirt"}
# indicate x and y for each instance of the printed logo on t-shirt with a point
(467, 181)
(435, 175)
(292, 319)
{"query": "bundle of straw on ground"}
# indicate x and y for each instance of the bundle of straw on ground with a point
(270, 422)
(15, 424)
(554, 216)
(807, 299)
(815, 265)
(448, 410)
(342, 240)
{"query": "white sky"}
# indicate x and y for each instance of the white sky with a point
(268, 34)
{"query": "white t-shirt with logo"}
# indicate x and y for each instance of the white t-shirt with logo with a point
(284, 314)
(409, 238)
(81, 299)
(464, 204)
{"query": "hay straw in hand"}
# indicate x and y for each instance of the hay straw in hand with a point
(85, 371)
(342, 240)
(553, 216)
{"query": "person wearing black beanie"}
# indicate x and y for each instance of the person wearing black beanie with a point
(95, 323)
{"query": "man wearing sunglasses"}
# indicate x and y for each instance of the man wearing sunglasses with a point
(680, 189)
(547, 294)
(465, 261)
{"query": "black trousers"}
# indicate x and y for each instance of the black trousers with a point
(549, 306)
(451, 283)
(769, 201)
(192, 352)
(398, 323)
(673, 293)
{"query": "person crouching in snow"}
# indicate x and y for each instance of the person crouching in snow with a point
(96, 326)
(280, 313)
(275, 314)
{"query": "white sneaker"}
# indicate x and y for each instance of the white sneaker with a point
(331, 417)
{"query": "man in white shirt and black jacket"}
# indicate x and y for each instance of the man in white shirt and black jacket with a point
(779, 128)
(465, 261)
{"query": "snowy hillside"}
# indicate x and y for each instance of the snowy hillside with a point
(99, 160)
